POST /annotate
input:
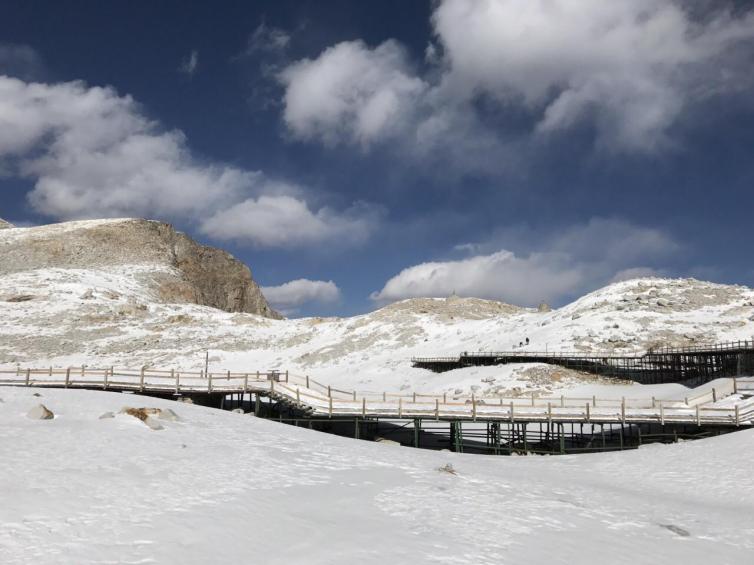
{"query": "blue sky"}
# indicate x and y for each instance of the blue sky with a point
(366, 152)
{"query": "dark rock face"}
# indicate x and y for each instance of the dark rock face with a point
(207, 276)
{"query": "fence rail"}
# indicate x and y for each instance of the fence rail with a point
(730, 403)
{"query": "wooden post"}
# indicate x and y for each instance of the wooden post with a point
(532, 399)
(104, 384)
(329, 392)
(272, 387)
(298, 396)
(437, 408)
(227, 378)
(473, 406)
(330, 405)
(83, 370)
(414, 399)
(51, 373)
(28, 373)
(384, 397)
(588, 415)
(623, 410)
(594, 401)
(364, 406)
(400, 406)
(286, 375)
(549, 412)
(735, 385)
(209, 382)
(246, 382)
(698, 423)
(354, 396)
(714, 395)
(444, 398)
(141, 380)
(737, 416)
(177, 382)
(307, 381)
(662, 414)
(67, 376)
(653, 402)
(562, 401)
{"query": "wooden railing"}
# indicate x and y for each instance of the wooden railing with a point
(729, 403)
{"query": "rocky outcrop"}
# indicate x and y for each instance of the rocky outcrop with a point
(40, 412)
(5, 225)
(199, 274)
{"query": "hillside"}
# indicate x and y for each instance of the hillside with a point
(73, 293)
(168, 264)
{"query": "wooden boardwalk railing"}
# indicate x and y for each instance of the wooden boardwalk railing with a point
(730, 403)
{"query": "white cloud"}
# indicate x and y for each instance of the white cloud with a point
(628, 68)
(93, 153)
(501, 275)
(284, 221)
(190, 64)
(267, 39)
(290, 296)
(350, 93)
(575, 260)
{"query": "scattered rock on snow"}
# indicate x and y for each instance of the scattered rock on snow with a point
(386, 441)
(40, 412)
(20, 298)
(107, 415)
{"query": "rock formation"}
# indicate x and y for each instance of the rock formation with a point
(198, 274)
(5, 225)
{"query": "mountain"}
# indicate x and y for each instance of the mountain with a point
(172, 266)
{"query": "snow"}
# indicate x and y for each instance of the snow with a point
(105, 318)
(219, 487)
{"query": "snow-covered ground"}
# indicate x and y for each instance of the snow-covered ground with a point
(218, 487)
(67, 317)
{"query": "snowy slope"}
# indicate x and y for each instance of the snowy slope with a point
(98, 316)
(219, 487)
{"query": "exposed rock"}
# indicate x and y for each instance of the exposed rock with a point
(40, 412)
(544, 307)
(386, 441)
(20, 298)
(5, 225)
(106, 415)
(201, 274)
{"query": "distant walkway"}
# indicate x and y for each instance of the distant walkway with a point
(688, 365)
(730, 403)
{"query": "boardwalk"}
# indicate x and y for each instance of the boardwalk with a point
(729, 403)
(688, 365)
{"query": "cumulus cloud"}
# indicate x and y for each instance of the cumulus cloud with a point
(350, 93)
(93, 153)
(575, 260)
(290, 296)
(626, 68)
(285, 221)
(190, 64)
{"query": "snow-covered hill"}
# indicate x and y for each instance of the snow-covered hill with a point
(113, 316)
(218, 487)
